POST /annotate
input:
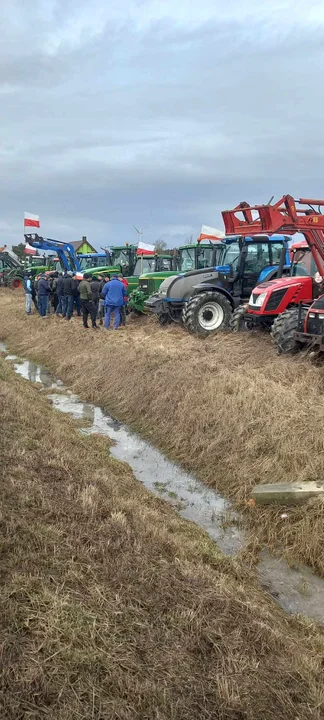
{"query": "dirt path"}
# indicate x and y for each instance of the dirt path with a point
(113, 607)
(227, 408)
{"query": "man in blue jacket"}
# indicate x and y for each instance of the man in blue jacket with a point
(114, 295)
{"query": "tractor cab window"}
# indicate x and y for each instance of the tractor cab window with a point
(303, 263)
(163, 264)
(120, 257)
(276, 251)
(231, 256)
(257, 257)
(144, 265)
(187, 259)
(204, 257)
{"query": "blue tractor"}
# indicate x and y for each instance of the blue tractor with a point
(205, 299)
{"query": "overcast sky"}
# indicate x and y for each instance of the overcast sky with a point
(156, 113)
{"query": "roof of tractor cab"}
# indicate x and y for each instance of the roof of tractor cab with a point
(257, 238)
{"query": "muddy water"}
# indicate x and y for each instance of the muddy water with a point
(297, 590)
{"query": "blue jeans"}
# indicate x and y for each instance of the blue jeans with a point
(112, 309)
(42, 304)
(59, 305)
(77, 304)
(64, 305)
(70, 304)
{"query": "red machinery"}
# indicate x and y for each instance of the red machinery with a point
(285, 301)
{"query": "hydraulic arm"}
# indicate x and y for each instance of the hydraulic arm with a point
(65, 251)
(287, 215)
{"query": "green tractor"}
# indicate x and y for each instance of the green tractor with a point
(124, 259)
(11, 269)
(185, 258)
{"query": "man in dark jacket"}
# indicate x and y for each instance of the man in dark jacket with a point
(44, 291)
(67, 297)
(102, 282)
(76, 296)
(95, 292)
(87, 305)
(59, 292)
(54, 291)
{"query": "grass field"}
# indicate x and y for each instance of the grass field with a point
(113, 608)
(228, 408)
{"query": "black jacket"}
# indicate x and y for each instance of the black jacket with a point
(67, 285)
(95, 289)
(59, 285)
(43, 287)
(75, 287)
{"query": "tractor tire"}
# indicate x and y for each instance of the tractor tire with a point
(16, 283)
(184, 314)
(207, 312)
(282, 331)
(237, 322)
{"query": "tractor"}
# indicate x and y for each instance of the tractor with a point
(185, 258)
(204, 299)
(294, 305)
(11, 269)
(270, 298)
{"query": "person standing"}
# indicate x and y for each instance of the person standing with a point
(28, 292)
(87, 305)
(67, 297)
(123, 308)
(114, 295)
(76, 295)
(59, 293)
(95, 292)
(44, 292)
(103, 280)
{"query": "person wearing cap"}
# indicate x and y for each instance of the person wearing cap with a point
(28, 292)
(114, 294)
(67, 297)
(44, 292)
(87, 306)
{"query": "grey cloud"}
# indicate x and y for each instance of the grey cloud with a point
(161, 124)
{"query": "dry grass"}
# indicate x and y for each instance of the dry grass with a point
(227, 408)
(113, 608)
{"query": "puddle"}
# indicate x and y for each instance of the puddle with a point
(189, 497)
(296, 590)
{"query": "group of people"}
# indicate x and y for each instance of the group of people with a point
(98, 297)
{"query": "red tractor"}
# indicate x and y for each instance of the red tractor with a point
(286, 304)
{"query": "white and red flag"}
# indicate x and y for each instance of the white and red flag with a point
(29, 250)
(210, 233)
(144, 249)
(31, 221)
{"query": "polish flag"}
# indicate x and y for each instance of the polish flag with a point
(210, 233)
(144, 249)
(31, 220)
(29, 250)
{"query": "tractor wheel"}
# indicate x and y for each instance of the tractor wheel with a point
(16, 283)
(238, 322)
(163, 318)
(207, 312)
(282, 331)
(184, 314)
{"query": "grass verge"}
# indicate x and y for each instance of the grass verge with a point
(227, 408)
(113, 607)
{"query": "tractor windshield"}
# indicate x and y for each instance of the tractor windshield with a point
(119, 257)
(303, 263)
(145, 265)
(231, 256)
(187, 259)
(92, 262)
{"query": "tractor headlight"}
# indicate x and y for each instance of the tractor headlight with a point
(257, 300)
